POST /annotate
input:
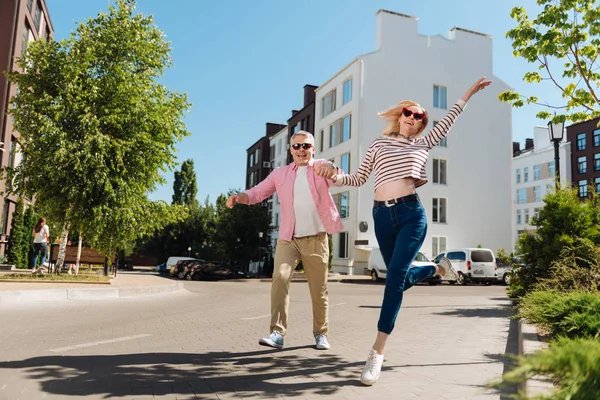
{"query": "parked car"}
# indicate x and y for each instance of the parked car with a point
(216, 271)
(184, 267)
(471, 264)
(167, 266)
(504, 272)
(378, 269)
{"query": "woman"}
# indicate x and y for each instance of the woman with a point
(41, 236)
(399, 159)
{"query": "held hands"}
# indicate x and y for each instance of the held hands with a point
(232, 200)
(481, 84)
(326, 170)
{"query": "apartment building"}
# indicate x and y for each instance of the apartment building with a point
(21, 22)
(534, 175)
(279, 157)
(468, 196)
(258, 165)
(585, 155)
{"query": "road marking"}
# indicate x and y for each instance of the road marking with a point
(259, 317)
(92, 344)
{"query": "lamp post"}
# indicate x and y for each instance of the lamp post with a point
(189, 251)
(556, 136)
(260, 235)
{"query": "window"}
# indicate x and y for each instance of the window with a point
(597, 138)
(597, 183)
(328, 103)
(272, 154)
(342, 201)
(295, 129)
(438, 244)
(339, 131)
(526, 174)
(527, 215)
(277, 221)
(549, 188)
(278, 145)
(345, 163)
(321, 140)
(25, 39)
(304, 123)
(521, 196)
(257, 156)
(519, 217)
(251, 160)
(582, 165)
(583, 188)
(536, 212)
(347, 91)
(519, 175)
(439, 210)
(444, 141)
(581, 141)
(343, 245)
(439, 96)
(36, 17)
(537, 193)
(597, 162)
(536, 172)
(457, 256)
(5, 213)
(29, 4)
(439, 171)
(551, 169)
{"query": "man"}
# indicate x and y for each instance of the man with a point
(308, 213)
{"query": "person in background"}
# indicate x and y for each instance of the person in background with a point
(41, 238)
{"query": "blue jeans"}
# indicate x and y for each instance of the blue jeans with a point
(38, 249)
(400, 231)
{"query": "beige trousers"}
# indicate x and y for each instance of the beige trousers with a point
(313, 251)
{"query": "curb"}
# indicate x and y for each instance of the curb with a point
(529, 343)
(44, 295)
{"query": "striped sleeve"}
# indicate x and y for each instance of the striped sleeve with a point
(442, 128)
(361, 176)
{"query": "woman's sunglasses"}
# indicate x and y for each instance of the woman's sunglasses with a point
(407, 113)
(305, 146)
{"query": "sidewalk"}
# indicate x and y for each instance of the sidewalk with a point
(125, 284)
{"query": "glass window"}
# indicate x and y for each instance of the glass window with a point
(272, 153)
(526, 174)
(342, 202)
(536, 212)
(519, 217)
(36, 17)
(345, 164)
(347, 91)
(582, 165)
(334, 134)
(457, 256)
(29, 4)
(527, 215)
(597, 138)
(439, 96)
(444, 141)
(597, 162)
(521, 196)
(536, 172)
(537, 193)
(583, 188)
(581, 141)
(551, 169)
(439, 171)
(343, 245)
(25, 39)
(346, 126)
(328, 103)
(439, 210)
(321, 140)
(519, 175)
(597, 183)
(482, 256)
(438, 244)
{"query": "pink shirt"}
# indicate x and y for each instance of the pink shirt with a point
(281, 180)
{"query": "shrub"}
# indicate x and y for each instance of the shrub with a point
(574, 364)
(572, 314)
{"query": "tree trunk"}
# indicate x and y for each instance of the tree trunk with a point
(79, 245)
(60, 260)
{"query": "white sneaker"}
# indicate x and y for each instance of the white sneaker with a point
(372, 369)
(450, 272)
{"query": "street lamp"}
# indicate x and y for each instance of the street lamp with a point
(189, 251)
(556, 136)
(260, 235)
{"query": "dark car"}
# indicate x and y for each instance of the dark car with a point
(216, 271)
(184, 267)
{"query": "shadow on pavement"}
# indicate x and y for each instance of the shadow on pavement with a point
(491, 312)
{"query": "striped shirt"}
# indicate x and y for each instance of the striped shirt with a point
(395, 158)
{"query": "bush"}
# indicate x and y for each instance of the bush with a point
(574, 364)
(573, 314)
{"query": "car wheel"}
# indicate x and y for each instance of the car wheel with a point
(460, 279)
(506, 279)
(188, 277)
(181, 274)
(374, 276)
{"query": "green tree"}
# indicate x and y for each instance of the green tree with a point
(96, 128)
(564, 219)
(29, 220)
(563, 42)
(14, 251)
(184, 185)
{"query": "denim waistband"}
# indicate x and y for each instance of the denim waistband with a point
(404, 199)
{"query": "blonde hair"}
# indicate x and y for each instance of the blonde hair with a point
(303, 133)
(392, 116)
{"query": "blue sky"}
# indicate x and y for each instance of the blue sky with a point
(244, 63)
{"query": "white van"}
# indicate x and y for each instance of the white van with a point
(472, 265)
(171, 262)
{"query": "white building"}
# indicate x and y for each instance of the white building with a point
(279, 151)
(533, 177)
(468, 197)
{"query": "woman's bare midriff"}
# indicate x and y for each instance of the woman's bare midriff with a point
(395, 189)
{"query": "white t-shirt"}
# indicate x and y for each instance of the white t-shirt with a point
(307, 218)
(41, 236)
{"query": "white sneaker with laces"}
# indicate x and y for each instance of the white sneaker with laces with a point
(451, 273)
(321, 342)
(372, 368)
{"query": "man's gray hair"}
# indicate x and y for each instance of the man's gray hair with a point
(303, 133)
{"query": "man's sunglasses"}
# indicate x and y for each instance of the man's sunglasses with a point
(407, 113)
(305, 146)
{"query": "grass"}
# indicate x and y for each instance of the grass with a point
(54, 277)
